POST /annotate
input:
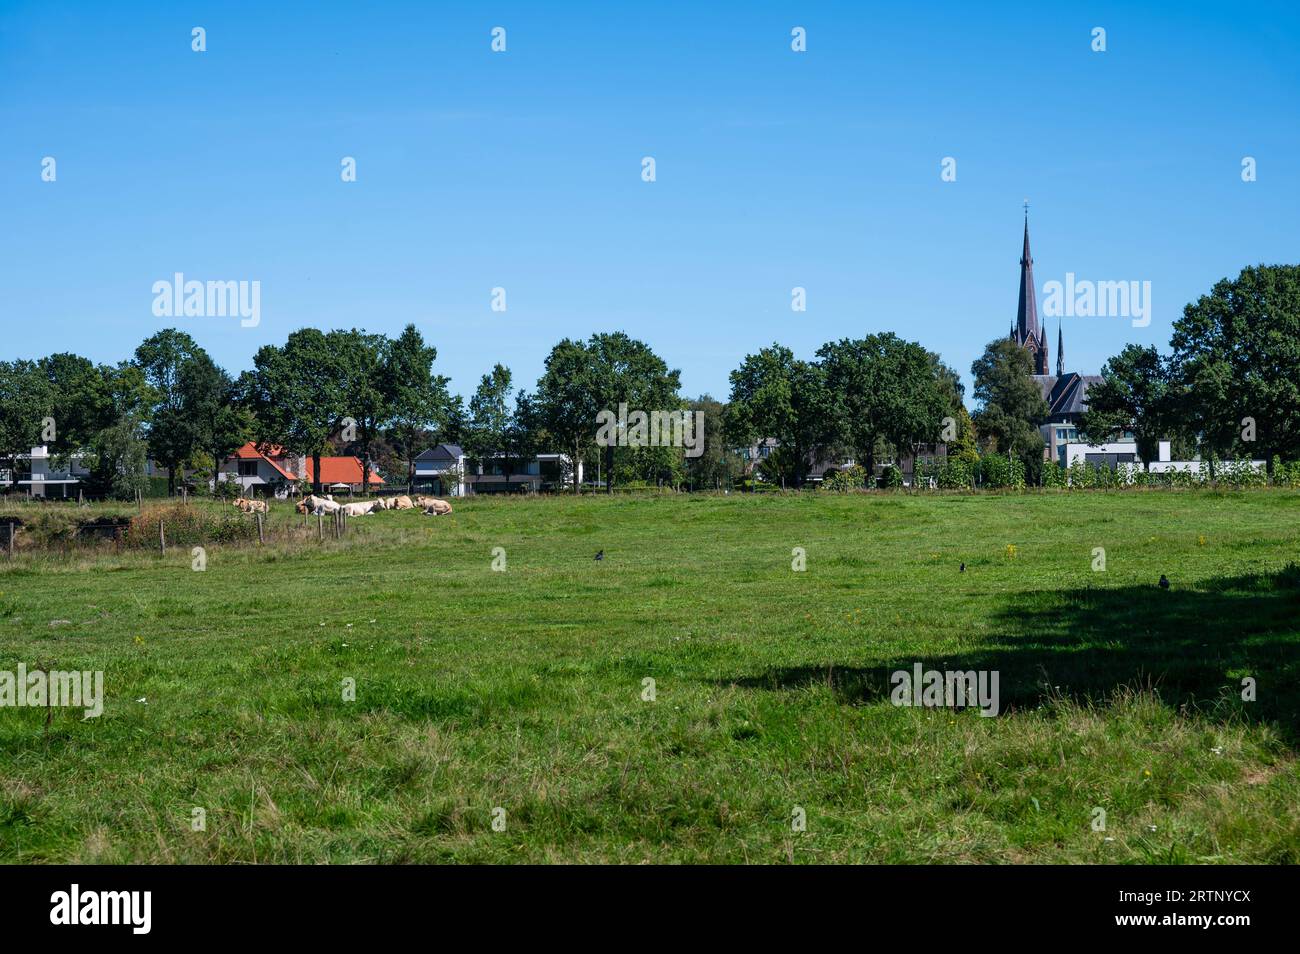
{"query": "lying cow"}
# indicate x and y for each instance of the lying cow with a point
(358, 509)
(432, 505)
(401, 503)
(246, 505)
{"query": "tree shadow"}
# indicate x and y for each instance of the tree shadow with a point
(1193, 647)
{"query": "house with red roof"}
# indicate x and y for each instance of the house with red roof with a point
(272, 471)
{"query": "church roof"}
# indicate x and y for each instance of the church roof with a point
(1066, 393)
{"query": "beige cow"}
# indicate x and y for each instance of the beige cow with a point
(402, 502)
(358, 509)
(432, 505)
(247, 505)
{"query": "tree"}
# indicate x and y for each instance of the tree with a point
(296, 395)
(84, 400)
(567, 399)
(363, 358)
(220, 422)
(521, 437)
(719, 464)
(119, 458)
(582, 380)
(1012, 404)
(882, 388)
(1134, 394)
(417, 397)
(25, 401)
(1236, 360)
(489, 418)
(163, 358)
(773, 395)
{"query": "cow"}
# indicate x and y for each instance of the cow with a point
(247, 505)
(432, 505)
(401, 503)
(358, 509)
(314, 504)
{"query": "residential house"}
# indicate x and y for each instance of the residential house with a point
(43, 474)
(447, 470)
(274, 472)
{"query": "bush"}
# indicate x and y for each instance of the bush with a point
(1053, 474)
(853, 477)
(956, 474)
(892, 478)
(188, 525)
(999, 473)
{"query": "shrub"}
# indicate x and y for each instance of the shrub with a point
(956, 474)
(853, 477)
(188, 525)
(997, 472)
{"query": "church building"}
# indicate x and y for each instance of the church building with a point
(1066, 392)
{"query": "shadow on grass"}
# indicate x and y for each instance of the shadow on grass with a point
(1191, 646)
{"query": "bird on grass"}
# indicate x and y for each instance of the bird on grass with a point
(600, 554)
(963, 568)
(1164, 582)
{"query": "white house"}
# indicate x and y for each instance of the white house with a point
(446, 469)
(38, 474)
(1124, 454)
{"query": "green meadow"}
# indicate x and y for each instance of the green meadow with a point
(520, 696)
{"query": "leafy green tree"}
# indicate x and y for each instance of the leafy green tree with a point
(417, 397)
(1012, 404)
(489, 418)
(521, 437)
(84, 401)
(172, 434)
(363, 358)
(25, 400)
(1236, 355)
(719, 464)
(1134, 394)
(567, 400)
(774, 395)
(220, 422)
(118, 459)
(296, 394)
(883, 388)
(581, 380)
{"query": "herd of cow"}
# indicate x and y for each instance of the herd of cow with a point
(327, 504)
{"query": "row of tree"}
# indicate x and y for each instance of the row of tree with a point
(1230, 387)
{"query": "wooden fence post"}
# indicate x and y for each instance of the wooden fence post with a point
(11, 539)
(162, 539)
(261, 538)
(320, 527)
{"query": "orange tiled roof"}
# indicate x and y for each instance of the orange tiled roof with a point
(250, 452)
(340, 470)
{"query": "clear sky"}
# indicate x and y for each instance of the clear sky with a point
(522, 170)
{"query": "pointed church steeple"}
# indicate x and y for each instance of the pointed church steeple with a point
(1028, 331)
(1060, 350)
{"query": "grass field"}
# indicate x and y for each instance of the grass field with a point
(522, 690)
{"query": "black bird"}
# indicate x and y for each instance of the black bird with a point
(600, 554)
(1164, 582)
(963, 568)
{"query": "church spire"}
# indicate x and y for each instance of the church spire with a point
(1028, 331)
(1060, 350)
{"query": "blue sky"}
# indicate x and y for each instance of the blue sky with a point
(522, 170)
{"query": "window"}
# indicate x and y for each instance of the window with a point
(248, 468)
